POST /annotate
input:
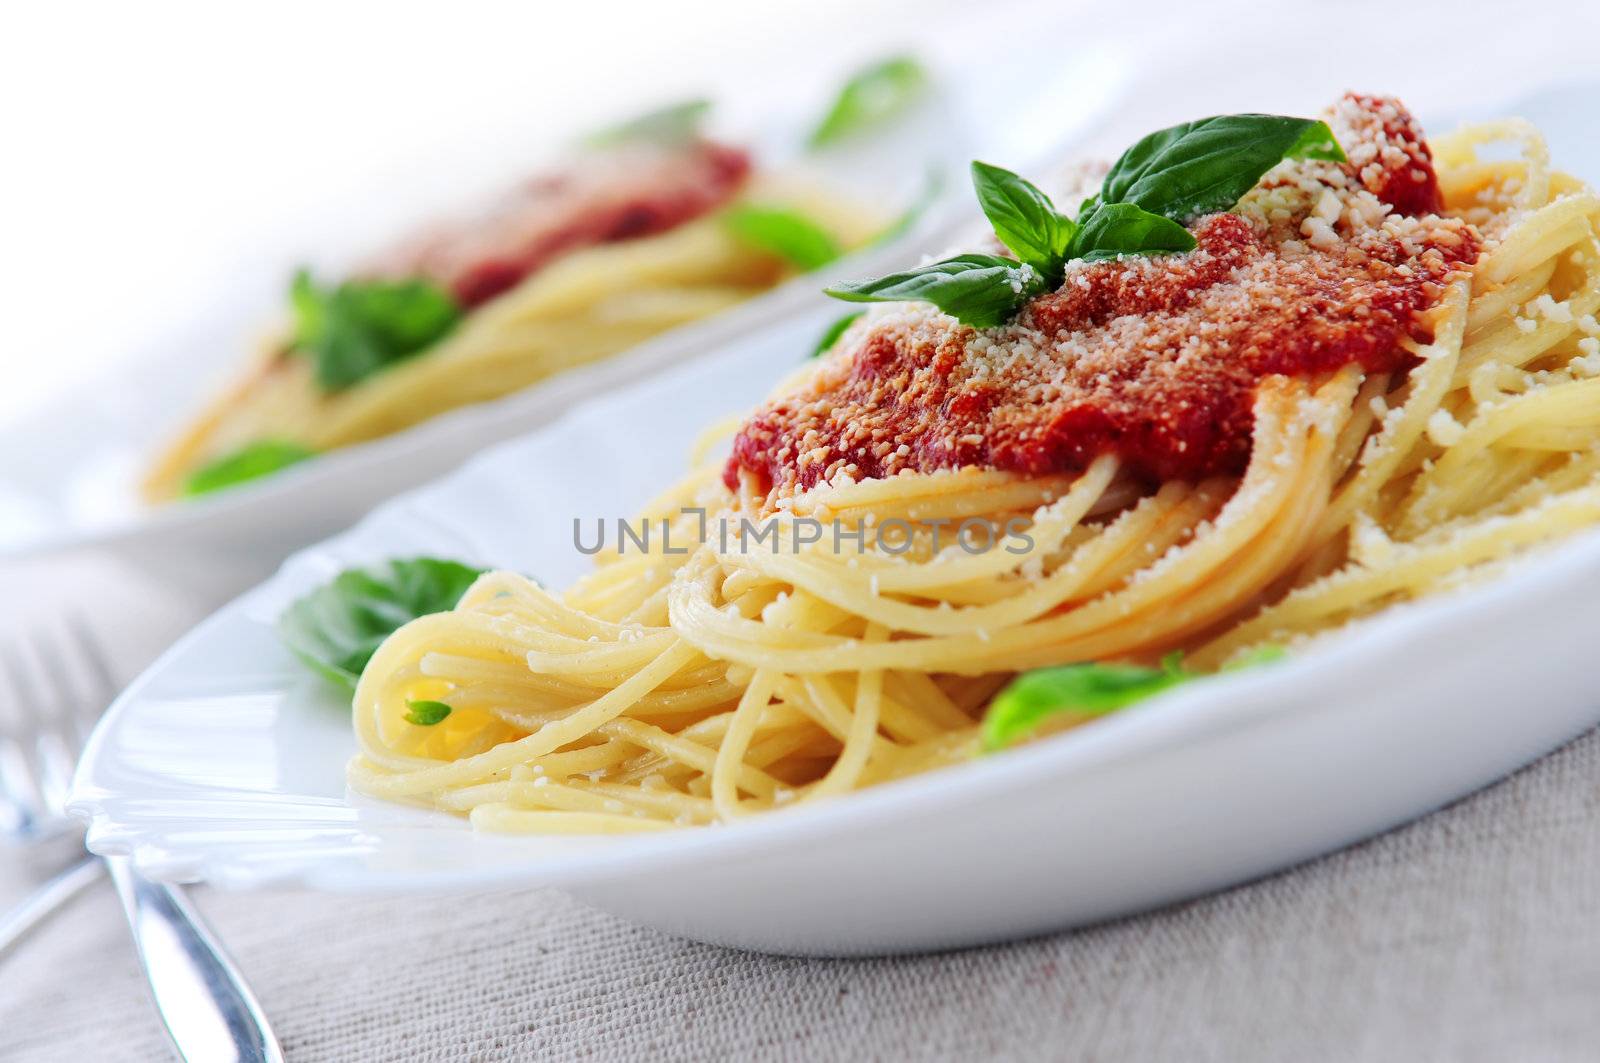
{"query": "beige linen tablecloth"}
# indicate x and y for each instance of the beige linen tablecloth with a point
(1471, 935)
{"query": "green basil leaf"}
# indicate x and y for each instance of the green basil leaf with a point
(1088, 690)
(1113, 229)
(1264, 654)
(785, 233)
(1206, 165)
(1023, 217)
(310, 306)
(1168, 176)
(336, 628)
(1075, 689)
(360, 327)
(871, 96)
(261, 458)
(831, 334)
(426, 713)
(977, 290)
(678, 123)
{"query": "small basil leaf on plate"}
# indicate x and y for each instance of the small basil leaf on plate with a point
(1076, 690)
(1023, 217)
(977, 290)
(786, 233)
(1113, 229)
(871, 96)
(426, 713)
(360, 327)
(831, 334)
(1264, 654)
(336, 628)
(1088, 690)
(1206, 165)
(677, 123)
(250, 462)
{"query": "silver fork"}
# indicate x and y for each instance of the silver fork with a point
(56, 691)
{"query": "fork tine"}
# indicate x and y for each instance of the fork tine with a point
(55, 691)
(59, 683)
(24, 689)
(52, 683)
(79, 705)
(22, 804)
(103, 685)
(54, 757)
(52, 678)
(67, 662)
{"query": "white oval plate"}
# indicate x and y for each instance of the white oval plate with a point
(224, 762)
(71, 480)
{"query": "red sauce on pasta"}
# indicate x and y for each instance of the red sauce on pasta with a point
(1155, 359)
(634, 190)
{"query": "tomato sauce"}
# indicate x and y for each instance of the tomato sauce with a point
(635, 190)
(1153, 358)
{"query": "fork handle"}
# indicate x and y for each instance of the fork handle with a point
(66, 885)
(209, 1012)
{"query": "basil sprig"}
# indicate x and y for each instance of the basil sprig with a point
(1086, 691)
(783, 232)
(986, 290)
(1023, 218)
(675, 124)
(1114, 229)
(1164, 180)
(336, 628)
(426, 712)
(357, 328)
(249, 462)
(1082, 690)
(977, 290)
(871, 96)
(1206, 165)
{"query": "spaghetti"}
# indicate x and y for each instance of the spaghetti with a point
(574, 267)
(1344, 449)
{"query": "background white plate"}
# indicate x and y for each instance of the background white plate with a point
(69, 470)
(224, 762)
